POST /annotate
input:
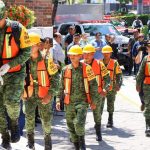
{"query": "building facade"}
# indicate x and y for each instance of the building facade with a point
(42, 9)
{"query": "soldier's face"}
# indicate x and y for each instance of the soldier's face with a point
(34, 51)
(107, 55)
(75, 58)
(88, 57)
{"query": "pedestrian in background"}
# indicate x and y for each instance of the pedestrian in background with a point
(68, 39)
(76, 41)
(41, 85)
(143, 83)
(116, 82)
(57, 51)
(98, 43)
(137, 24)
(80, 88)
(136, 45)
(131, 43)
(14, 52)
(103, 81)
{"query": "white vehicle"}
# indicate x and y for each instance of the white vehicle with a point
(42, 31)
(92, 28)
(104, 28)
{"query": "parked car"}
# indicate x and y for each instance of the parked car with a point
(42, 31)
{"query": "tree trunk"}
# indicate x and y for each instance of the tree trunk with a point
(140, 7)
(55, 5)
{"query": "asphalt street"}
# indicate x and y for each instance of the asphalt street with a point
(127, 133)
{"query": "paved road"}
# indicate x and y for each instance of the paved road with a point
(127, 134)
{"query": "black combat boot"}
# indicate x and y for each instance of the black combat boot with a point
(110, 121)
(30, 138)
(15, 131)
(6, 140)
(76, 145)
(98, 132)
(48, 142)
(82, 143)
(147, 132)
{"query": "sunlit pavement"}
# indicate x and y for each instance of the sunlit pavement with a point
(127, 134)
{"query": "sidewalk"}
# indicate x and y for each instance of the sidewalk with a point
(127, 134)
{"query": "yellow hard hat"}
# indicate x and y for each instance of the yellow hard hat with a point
(89, 49)
(34, 38)
(75, 50)
(107, 49)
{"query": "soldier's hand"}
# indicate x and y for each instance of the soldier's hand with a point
(58, 66)
(142, 107)
(138, 88)
(58, 106)
(4, 69)
(93, 106)
(46, 99)
(117, 88)
(1, 81)
(103, 93)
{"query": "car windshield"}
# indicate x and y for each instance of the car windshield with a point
(104, 29)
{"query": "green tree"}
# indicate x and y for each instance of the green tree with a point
(124, 1)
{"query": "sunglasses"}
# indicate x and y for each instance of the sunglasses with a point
(141, 36)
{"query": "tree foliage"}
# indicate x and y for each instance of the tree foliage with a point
(124, 1)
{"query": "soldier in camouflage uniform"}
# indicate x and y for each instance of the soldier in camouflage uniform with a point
(79, 84)
(116, 82)
(143, 76)
(103, 79)
(41, 72)
(14, 52)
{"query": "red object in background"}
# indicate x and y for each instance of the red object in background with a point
(145, 2)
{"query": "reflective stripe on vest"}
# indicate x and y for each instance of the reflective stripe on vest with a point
(43, 81)
(110, 68)
(96, 66)
(10, 50)
(147, 71)
(68, 82)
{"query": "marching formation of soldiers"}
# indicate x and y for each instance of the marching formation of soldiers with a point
(25, 73)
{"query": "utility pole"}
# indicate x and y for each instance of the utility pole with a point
(140, 7)
(104, 7)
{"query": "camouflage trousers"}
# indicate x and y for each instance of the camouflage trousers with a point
(76, 117)
(146, 90)
(97, 112)
(10, 94)
(45, 112)
(111, 96)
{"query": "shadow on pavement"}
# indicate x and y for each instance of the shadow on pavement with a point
(123, 133)
(102, 146)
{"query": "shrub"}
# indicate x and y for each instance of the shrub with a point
(22, 14)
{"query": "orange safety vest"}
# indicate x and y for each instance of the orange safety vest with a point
(43, 81)
(10, 50)
(147, 71)
(96, 66)
(68, 82)
(110, 68)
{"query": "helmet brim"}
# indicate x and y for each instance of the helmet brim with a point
(71, 53)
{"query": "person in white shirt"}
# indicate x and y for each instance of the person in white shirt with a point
(58, 54)
(137, 24)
